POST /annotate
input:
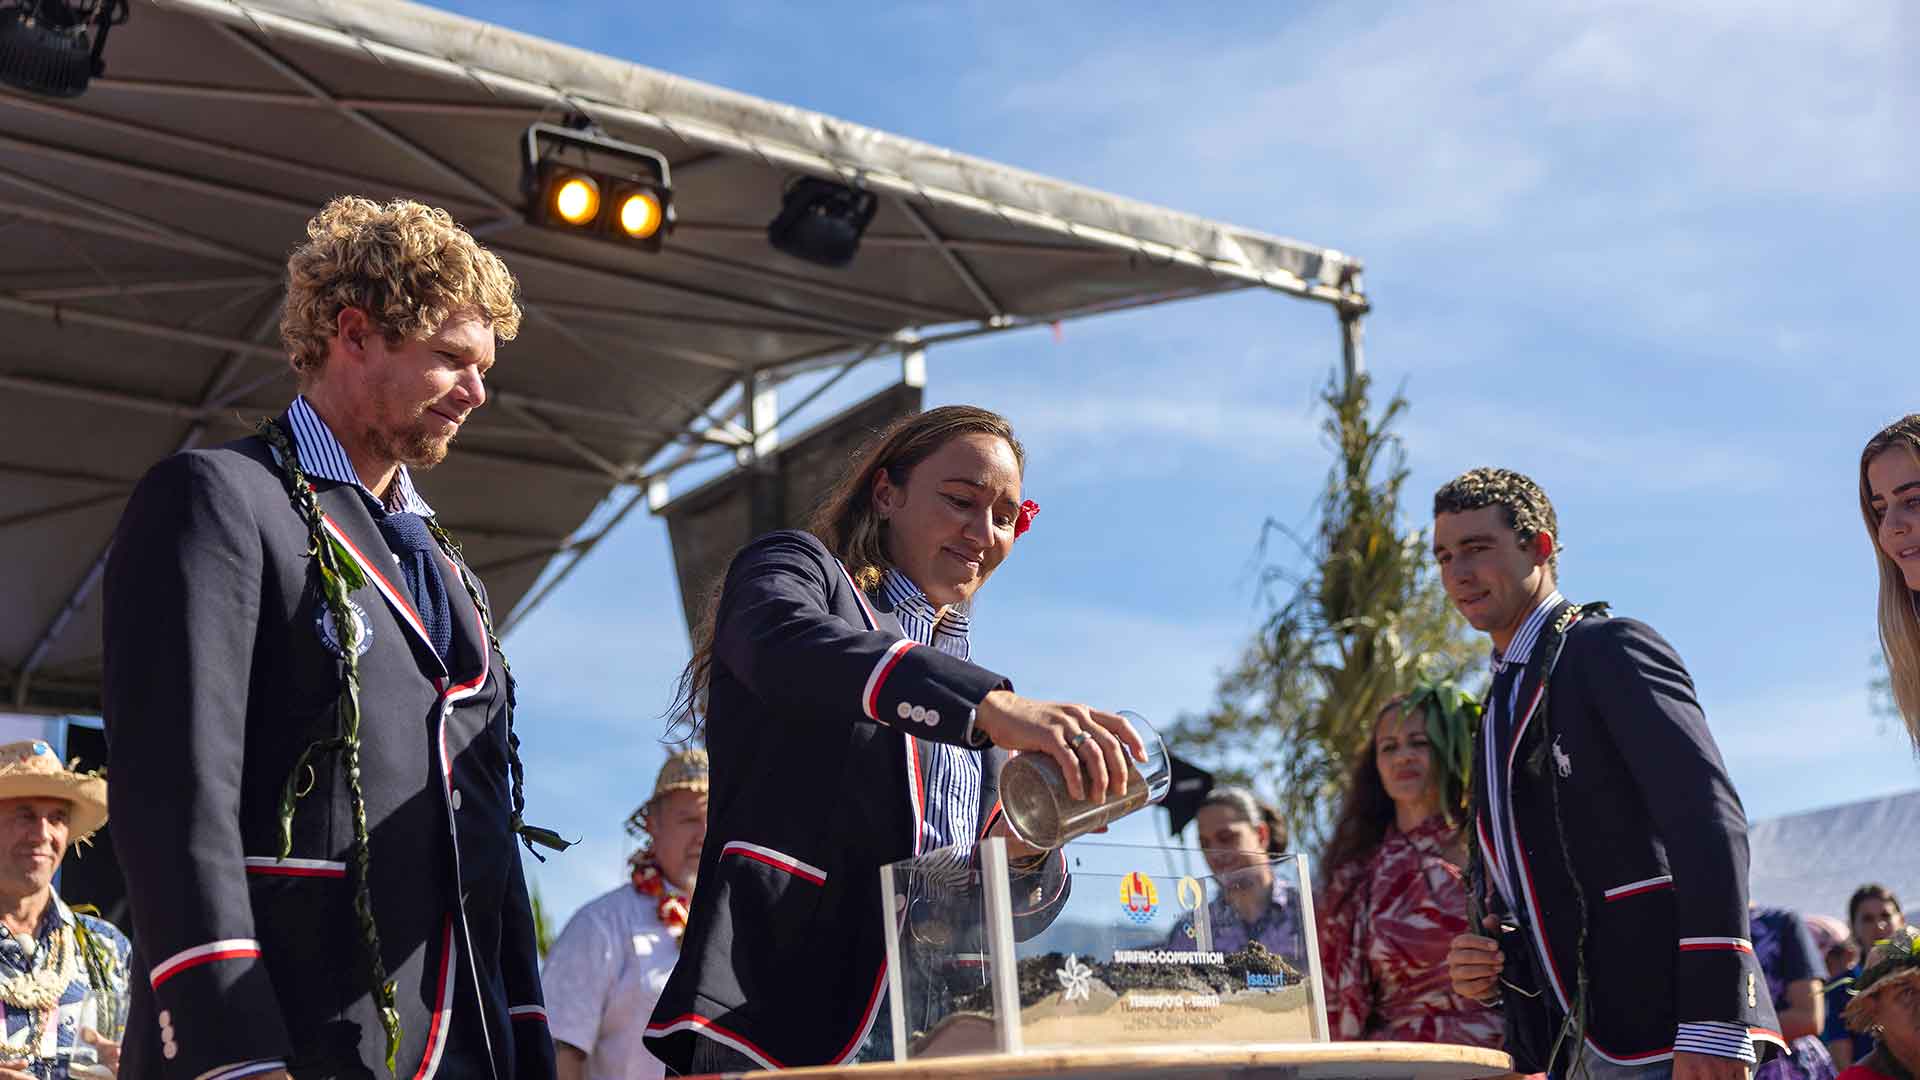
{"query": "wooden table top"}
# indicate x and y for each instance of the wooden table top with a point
(1269, 1061)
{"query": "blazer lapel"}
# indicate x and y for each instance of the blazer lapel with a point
(1533, 685)
(887, 622)
(348, 521)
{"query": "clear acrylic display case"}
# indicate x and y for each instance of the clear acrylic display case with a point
(1137, 952)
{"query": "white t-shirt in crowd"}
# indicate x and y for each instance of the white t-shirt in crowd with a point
(603, 976)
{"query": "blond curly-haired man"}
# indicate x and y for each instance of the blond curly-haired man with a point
(313, 768)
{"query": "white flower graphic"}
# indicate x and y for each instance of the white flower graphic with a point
(1076, 980)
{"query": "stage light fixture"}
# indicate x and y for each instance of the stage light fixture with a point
(821, 221)
(576, 199)
(54, 47)
(584, 181)
(639, 213)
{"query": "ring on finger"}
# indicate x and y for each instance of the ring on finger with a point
(1079, 737)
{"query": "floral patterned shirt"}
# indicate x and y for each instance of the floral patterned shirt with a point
(1385, 922)
(60, 1052)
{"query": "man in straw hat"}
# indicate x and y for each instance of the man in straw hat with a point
(309, 714)
(63, 976)
(609, 965)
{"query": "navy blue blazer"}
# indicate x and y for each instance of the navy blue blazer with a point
(817, 710)
(1651, 882)
(221, 668)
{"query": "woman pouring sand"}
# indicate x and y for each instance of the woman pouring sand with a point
(849, 728)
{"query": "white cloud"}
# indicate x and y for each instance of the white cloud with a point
(1455, 435)
(1112, 434)
(1438, 116)
(1796, 745)
(1155, 664)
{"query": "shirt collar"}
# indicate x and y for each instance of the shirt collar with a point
(58, 909)
(1520, 649)
(907, 599)
(322, 455)
(54, 916)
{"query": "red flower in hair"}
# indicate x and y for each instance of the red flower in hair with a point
(1028, 511)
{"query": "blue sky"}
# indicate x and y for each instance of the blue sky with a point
(1652, 257)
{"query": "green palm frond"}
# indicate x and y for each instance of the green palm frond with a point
(1356, 615)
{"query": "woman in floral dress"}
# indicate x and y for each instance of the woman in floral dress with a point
(1393, 892)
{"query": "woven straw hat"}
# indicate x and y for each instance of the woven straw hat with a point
(684, 771)
(1893, 962)
(31, 770)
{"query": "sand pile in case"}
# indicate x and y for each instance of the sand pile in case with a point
(1153, 1002)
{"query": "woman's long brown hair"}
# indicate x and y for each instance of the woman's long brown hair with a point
(846, 523)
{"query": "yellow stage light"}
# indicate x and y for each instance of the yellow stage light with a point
(605, 188)
(640, 214)
(576, 200)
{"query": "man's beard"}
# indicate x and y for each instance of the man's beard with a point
(412, 445)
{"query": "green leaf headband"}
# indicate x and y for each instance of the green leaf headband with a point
(1453, 719)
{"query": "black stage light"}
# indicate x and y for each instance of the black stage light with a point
(53, 47)
(584, 181)
(821, 221)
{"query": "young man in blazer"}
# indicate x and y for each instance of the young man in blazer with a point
(1609, 844)
(313, 771)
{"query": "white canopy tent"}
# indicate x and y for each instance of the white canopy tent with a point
(143, 228)
(1813, 861)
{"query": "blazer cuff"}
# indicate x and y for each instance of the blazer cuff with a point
(217, 1011)
(926, 693)
(1718, 1038)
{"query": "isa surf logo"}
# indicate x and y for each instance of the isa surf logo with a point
(1138, 898)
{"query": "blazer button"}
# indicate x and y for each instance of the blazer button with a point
(456, 798)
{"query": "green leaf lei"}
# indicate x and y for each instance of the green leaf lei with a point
(340, 576)
(99, 957)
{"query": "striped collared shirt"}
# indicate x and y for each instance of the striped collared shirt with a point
(953, 772)
(322, 455)
(1501, 716)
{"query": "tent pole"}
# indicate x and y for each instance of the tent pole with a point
(1352, 353)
